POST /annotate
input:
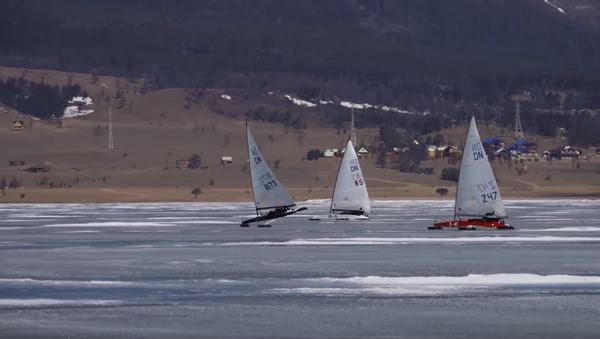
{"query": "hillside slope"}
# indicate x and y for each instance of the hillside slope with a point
(191, 43)
(157, 130)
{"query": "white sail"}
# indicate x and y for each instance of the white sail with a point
(350, 192)
(478, 194)
(268, 191)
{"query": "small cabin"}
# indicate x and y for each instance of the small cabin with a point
(329, 153)
(226, 160)
(182, 163)
(16, 163)
(363, 153)
(18, 126)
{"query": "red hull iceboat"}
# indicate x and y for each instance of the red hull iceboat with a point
(478, 201)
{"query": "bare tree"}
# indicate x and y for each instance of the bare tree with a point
(94, 79)
(300, 138)
(226, 142)
(441, 191)
(195, 192)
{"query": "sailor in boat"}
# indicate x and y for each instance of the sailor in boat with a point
(278, 210)
(486, 219)
(359, 212)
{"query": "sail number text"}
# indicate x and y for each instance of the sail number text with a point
(268, 181)
(478, 152)
(489, 197)
(270, 185)
(487, 185)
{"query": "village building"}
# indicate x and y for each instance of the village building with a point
(18, 126)
(330, 153)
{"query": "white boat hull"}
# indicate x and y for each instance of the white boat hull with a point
(349, 217)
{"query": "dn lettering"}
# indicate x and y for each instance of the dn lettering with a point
(478, 155)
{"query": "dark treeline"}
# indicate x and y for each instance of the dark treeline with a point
(37, 99)
(391, 50)
(451, 58)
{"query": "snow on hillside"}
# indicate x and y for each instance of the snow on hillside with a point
(300, 102)
(81, 101)
(349, 104)
(75, 110)
(557, 8)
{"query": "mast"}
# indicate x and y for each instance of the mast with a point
(337, 176)
(110, 130)
(352, 129)
(250, 169)
(461, 163)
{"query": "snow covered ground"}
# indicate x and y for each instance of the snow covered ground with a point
(75, 110)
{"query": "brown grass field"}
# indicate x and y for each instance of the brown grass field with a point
(159, 130)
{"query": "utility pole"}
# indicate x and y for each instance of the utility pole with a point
(518, 127)
(352, 130)
(111, 145)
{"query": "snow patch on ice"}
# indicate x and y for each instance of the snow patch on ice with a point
(55, 302)
(566, 229)
(404, 241)
(432, 285)
(28, 281)
(111, 224)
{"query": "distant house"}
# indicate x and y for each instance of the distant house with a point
(524, 146)
(451, 151)
(226, 160)
(18, 126)
(363, 153)
(430, 151)
(330, 153)
(182, 163)
(16, 163)
(497, 142)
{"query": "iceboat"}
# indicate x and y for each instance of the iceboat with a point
(271, 201)
(478, 202)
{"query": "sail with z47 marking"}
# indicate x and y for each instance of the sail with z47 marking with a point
(350, 192)
(477, 194)
(268, 191)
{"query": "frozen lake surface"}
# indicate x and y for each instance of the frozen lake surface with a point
(189, 270)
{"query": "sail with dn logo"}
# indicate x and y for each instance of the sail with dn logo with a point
(350, 196)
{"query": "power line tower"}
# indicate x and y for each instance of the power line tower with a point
(352, 130)
(111, 144)
(518, 127)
